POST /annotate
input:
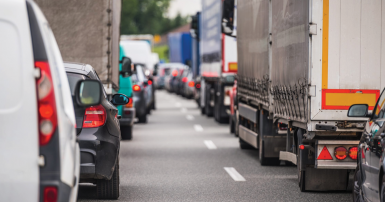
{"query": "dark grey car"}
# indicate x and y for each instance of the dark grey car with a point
(142, 93)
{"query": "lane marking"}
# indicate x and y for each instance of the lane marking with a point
(210, 144)
(178, 104)
(234, 174)
(190, 117)
(198, 128)
(184, 110)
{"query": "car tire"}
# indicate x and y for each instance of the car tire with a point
(153, 107)
(244, 145)
(203, 111)
(357, 189)
(126, 132)
(143, 118)
(109, 189)
(232, 126)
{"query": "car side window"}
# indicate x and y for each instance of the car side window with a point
(379, 110)
(97, 76)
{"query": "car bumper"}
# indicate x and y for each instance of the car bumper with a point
(128, 117)
(98, 153)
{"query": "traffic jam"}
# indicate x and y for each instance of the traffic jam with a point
(243, 100)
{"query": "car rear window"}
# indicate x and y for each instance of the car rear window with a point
(73, 79)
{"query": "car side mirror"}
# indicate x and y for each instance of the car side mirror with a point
(126, 67)
(119, 99)
(358, 110)
(88, 93)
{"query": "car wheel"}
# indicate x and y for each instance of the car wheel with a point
(382, 189)
(244, 145)
(232, 126)
(126, 132)
(143, 118)
(153, 106)
(357, 190)
(109, 189)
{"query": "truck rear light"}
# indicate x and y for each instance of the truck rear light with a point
(325, 154)
(136, 88)
(353, 151)
(184, 79)
(340, 153)
(46, 103)
(129, 104)
(301, 147)
(198, 86)
(94, 116)
(191, 84)
(50, 194)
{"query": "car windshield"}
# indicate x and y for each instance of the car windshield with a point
(139, 74)
(73, 79)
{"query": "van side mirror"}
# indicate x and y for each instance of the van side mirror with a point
(119, 99)
(228, 17)
(358, 110)
(88, 93)
(126, 67)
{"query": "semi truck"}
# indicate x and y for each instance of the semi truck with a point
(302, 63)
(88, 32)
(179, 44)
(218, 53)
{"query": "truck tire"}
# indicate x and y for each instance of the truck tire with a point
(301, 174)
(264, 160)
(232, 126)
(143, 118)
(126, 132)
(208, 108)
(244, 145)
(109, 189)
(203, 110)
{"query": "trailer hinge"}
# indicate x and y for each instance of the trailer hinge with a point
(312, 91)
(270, 39)
(313, 29)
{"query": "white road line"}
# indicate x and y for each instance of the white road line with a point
(210, 144)
(184, 110)
(234, 174)
(198, 128)
(178, 104)
(190, 117)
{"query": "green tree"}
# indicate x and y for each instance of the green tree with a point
(148, 17)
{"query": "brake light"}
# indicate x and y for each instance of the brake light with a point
(198, 85)
(174, 73)
(50, 194)
(191, 83)
(94, 116)
(46, 103)
(353, 153)
(340, 153)
(136, 88)
(301, 147)
(129, 104)
(184, 79)
(325, 154)
(228, 93)
(149, 82)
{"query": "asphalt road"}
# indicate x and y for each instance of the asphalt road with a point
(180, 155)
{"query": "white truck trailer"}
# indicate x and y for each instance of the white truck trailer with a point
(218, 54)
(302, 63)
(88, 31)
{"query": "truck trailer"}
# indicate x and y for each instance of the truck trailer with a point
(218, 53)
(88, 32)
(180, 51)
(302, 63)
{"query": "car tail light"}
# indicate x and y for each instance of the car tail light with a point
(325, 154)
(340, 153)
(46, 103)
(129, 104)
(149, 82)
(198, 85)
(94, 116)
(136, 88)
(50, 194)
(353, 153)
(184, 79)
(228, 93)
(174, 73)
(301, 147)
(191, 83)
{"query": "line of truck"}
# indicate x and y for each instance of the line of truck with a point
(299, 66)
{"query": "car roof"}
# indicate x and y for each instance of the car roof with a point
(79, 68)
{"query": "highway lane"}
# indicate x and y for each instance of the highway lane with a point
(180, 155)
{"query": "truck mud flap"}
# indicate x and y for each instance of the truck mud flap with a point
(248, 112)
(248, 136)
(326, 179)
(288, 156)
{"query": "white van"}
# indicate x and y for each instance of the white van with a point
(139, 52)
(39, 154)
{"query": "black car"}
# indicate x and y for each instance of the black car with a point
(369, 180)
(142, 89)
(98, 134)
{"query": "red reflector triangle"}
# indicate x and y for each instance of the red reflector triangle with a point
(325, 155)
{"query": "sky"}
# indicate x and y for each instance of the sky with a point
(185, 7)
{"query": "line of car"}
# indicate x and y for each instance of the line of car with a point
(59, 126)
